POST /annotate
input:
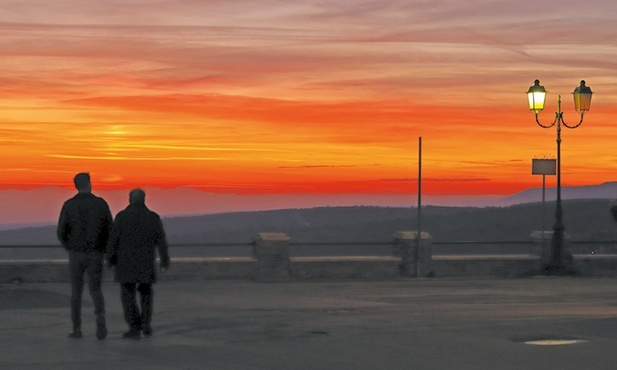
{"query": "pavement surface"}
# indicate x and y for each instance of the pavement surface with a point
(397, 324)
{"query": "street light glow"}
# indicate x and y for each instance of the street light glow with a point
(536, 96)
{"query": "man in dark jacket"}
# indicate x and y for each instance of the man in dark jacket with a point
(83, 229)
(136, 234)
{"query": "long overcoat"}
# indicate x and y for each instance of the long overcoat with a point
(136, 235)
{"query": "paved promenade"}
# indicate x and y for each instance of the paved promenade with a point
(420, 324)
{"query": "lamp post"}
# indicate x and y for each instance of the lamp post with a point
(582, 101)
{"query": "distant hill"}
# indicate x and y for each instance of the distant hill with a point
(17, 206)
(584, 220)
(607, 190)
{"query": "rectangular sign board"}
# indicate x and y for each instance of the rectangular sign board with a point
(542, 166)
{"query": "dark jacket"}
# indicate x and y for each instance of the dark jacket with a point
(135, 235)
(84, 224)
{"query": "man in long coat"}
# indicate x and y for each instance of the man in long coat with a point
(136, 234)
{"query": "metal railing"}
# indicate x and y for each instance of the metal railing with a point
(322, 248)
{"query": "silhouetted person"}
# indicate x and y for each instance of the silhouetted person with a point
(83, 230)
(136, 234)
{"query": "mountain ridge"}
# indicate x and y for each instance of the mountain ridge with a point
(587, 220)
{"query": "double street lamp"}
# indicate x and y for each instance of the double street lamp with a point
(582, 101)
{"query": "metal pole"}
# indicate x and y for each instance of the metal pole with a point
(419, 235)
(557, 264)
(543, 208)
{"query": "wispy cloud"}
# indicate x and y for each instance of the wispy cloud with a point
(433, 179)
(271, 88)
(318, 166)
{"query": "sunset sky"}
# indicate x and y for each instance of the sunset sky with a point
(302, 97)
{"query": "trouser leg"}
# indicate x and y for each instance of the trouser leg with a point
(145, 291)
(95, 275)
(131, 312)
(77, 268)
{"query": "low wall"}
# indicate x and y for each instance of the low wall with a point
(596, 264)
(495, 265)
(272, 262)
(34, 271)
(343, 267)
(350, 267)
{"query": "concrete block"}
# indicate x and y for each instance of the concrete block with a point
(272, 253)
(416, 258)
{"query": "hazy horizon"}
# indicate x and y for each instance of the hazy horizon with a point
(42, 205)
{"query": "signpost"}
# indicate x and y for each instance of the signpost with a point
(543, 166)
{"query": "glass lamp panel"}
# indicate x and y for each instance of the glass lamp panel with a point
(536, 96)
(585, 102)
(536, 101)
(582, 98)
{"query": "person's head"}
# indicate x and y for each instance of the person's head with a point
(82, 182)
(137, 197)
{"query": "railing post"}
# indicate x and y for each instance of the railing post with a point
(416, 260)
(272, 253)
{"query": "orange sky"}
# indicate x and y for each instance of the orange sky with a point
(270, 97)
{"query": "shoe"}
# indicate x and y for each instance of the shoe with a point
(101, 328)
(147, 330)
(132, 334)
(76, 333)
